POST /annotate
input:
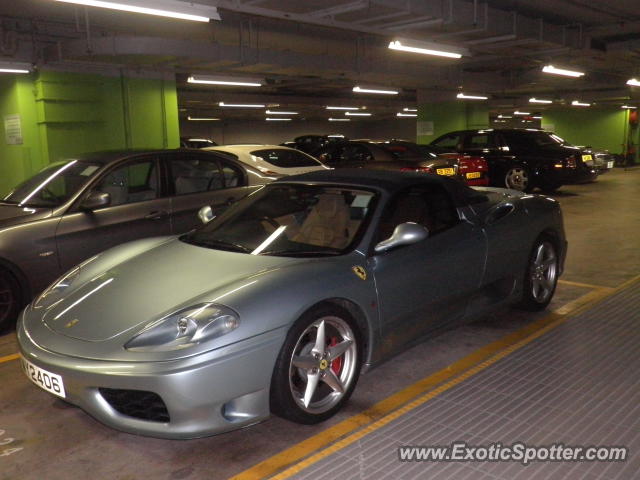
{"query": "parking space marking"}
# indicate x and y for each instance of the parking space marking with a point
(584, 285)
(300, 456)
(8, 358)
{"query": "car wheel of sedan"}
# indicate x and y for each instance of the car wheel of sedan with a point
(9, 299)
(518, 178)
(318, 366)
(541, 277)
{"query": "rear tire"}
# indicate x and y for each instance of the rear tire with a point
(541, 277)
(10, 299)
(317, 367)
(518, 178)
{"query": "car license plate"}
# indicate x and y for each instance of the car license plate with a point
(587, 158)
(609, 164)
(473, 175)
(445, 171)
(48, 381)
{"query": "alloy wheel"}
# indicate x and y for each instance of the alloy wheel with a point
(323, 364)
(544, 270)
(517, 178)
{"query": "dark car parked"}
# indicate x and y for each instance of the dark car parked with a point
(397, 155)
(190, 142)
(74, 209)
(311, 144)
(521, 159)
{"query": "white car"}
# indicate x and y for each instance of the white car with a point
(272, 159)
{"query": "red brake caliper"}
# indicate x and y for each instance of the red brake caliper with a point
(336, 365)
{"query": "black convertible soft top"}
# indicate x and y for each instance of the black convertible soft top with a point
(389, 181)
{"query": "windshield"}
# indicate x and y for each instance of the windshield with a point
(289, 220)
(53, 185)
(533, 139)
(284, 158)
(408, 151)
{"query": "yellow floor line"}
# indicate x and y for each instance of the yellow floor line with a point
(584, 285)
(388, 409)
(8, 358)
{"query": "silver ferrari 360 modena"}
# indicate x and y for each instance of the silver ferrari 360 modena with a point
(276, 305)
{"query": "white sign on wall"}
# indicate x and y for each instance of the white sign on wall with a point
(425, 128)
(13, 129)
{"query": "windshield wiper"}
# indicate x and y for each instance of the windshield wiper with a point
(8, 202)
(218, 244)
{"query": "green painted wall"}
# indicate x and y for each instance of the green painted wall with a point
(450, 116)
(65, 114)
(17, 162)
(602, 128)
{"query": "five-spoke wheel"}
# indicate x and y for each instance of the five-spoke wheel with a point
(517, 178)
(541, 277)
(318, 366)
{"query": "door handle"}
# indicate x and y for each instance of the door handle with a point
(158, 215)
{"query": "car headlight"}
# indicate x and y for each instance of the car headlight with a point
(185, 328)
(53, 293)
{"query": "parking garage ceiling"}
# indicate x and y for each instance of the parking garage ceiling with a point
(312, 53)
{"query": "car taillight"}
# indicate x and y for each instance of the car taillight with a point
(472, 164)
(571, 162)
(417, 169)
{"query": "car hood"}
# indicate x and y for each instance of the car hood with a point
(151, 285)
(16, 214)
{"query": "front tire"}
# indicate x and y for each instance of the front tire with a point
(10, 299)
(318, 366)
(518, 178)
(541, 277)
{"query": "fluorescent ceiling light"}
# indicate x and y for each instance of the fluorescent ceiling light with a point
(229, 81)
(202, 119)
(163, 8)
(383, 91)
(539, 100)
(577, 103)
(357, 114)
(406, 109)
(279, 119)
(634, 82)
(462, 96)
(504, 116)
(561, 71)
(275, 112)
(628, 107)
(342, 108)
(339, 119)
(426, 48)
(15, 67)
(401, 114)
(242, 105)
(517, 112)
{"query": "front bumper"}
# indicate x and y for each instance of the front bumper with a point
(204, 395)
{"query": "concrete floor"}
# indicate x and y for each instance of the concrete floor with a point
(55, 441)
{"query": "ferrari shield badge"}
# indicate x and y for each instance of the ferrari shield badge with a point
(360, 272)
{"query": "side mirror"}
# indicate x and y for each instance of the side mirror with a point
(95, 200)
(404, 234)
(205, 214)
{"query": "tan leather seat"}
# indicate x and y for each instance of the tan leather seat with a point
(327, 223)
